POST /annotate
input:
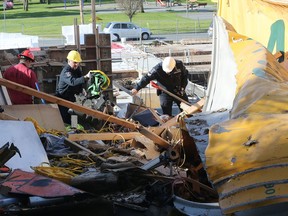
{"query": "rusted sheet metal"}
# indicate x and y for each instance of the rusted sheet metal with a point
(22, 182)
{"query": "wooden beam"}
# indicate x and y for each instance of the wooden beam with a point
(5, 116)
(103, 136)
(77, 146)
(94, 113)
(154, 137)
(188, 111)
(66, 103)
(192, 109)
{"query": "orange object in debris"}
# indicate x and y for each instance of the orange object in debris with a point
(22, 182)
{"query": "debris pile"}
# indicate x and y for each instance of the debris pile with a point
(124, 161)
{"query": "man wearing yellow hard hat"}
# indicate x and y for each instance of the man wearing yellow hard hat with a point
(70, 82)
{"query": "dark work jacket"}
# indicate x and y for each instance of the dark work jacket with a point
(174, 81)
(70, 83)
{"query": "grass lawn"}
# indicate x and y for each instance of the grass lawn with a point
(46, 20)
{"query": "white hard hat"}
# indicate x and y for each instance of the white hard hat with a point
(168, 64)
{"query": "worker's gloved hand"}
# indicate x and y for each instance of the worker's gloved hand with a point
(134, 91)
(88, 75)
(182, 91)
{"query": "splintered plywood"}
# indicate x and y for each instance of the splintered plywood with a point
(47, 115)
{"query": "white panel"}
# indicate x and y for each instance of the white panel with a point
(26, 139)
(222, 82)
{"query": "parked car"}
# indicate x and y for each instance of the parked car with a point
(127, 30)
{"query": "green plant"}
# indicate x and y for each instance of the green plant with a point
(47, 20)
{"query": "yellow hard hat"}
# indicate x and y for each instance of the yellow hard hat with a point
(73, 55)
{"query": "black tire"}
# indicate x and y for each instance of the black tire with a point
(118, 38)
(145, 36)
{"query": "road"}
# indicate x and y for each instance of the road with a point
(178, 37)
(204, 13)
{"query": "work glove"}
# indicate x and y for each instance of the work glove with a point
(182, 91)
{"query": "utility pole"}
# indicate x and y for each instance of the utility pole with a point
(4, 7)
(81, 11)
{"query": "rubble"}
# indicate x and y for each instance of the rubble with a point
(125, 153)
(115, 163)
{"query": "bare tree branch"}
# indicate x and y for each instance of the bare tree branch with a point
(130, 7)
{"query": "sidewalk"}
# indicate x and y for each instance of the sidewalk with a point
(150, 7)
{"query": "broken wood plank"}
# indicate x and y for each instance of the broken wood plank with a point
(150, 152)
(154, 137)
(66, 103)
(192, 109)
(77, 146)
(94, 113)
(102, 148)
(103, 136)
(5, 116)
(188, 111)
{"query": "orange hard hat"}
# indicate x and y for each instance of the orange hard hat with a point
(27, 54)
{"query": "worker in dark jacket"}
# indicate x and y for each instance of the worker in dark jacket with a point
(24, 75)
(171, 75)
(70, 82)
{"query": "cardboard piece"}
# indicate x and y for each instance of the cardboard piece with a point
(47, 115)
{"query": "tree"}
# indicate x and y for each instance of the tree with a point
(130, 7)
(25, 5)
(142, 7)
